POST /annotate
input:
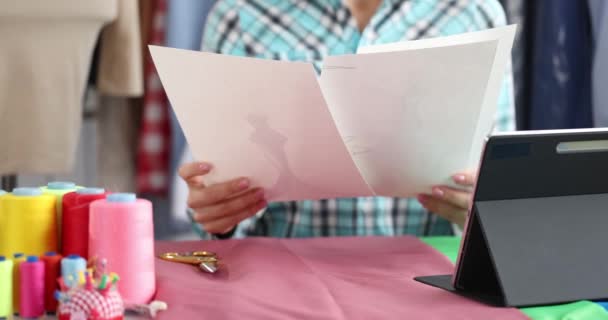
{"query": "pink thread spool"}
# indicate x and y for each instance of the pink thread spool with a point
(121, 230)
(32, 288)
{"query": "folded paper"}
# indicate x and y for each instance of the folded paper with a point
(390, 121)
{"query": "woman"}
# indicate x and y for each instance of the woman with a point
(310, 30)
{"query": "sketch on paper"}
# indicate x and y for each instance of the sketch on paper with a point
(273, 144)
(355, 147)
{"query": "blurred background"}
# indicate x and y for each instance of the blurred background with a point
(80, 100)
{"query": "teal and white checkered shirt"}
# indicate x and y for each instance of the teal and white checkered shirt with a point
(309, 30)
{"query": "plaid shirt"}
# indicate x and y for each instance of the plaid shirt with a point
(310, 30)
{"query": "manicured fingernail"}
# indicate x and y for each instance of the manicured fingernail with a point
(243, 184)
(460, 178)
(259, 194)
(422, 198)
(204, 166)
(438, 192)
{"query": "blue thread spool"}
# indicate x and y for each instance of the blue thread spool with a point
(70, 267)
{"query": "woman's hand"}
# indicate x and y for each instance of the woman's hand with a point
(220, 207)
(449, 203)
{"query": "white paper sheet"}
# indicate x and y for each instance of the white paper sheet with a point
(265, 120)
(410, 114)
(413, 128)
(505, 37)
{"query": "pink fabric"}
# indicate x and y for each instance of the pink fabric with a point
(320, 278)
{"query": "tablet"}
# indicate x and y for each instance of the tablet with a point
(536, 229)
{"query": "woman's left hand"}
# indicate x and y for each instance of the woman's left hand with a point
(449, 203)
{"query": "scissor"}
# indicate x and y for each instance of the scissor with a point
(206, 261)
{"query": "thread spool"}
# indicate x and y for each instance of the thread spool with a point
(6, 279)
(71, 266)
(58, 189)
(52, 271)
(76, 220)
(28, 222)
(121, 230)
(6, 287)
(32, 288)
(18, 258)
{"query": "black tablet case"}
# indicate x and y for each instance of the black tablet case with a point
(538, 230)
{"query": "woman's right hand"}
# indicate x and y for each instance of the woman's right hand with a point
(220, 207)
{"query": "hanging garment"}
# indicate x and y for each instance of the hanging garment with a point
(120, 60)
(119, 77)
(599, 17)
(44, 63)
(117, 120)
(519, 12)
(146, 16)
(154, 136)
(596, 10)
(561, 79)
(185, 23)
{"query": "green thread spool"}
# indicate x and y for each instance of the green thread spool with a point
(6, 287)
(59, 189)
(104, 282)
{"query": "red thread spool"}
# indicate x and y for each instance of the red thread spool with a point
(75, 220)
(52, 271)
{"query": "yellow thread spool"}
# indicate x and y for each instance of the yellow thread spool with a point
(91, 273)
(81, 279)
(29, 222)
(17, 259)
(6, 287)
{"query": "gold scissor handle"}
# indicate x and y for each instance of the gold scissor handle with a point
(196, 257)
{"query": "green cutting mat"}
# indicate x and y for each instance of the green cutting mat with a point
(582, 310)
